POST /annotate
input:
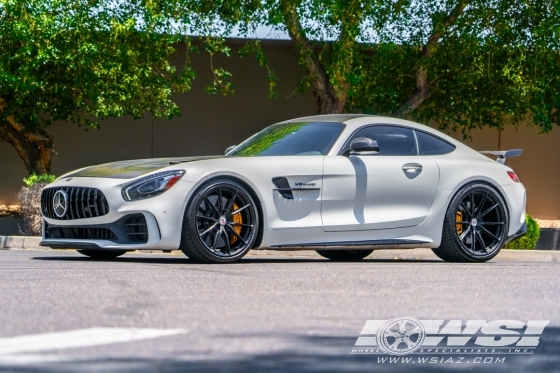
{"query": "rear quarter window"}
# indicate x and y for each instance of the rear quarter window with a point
(432, 145)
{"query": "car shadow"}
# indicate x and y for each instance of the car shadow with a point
(185, 260)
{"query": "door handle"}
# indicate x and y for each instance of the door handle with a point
(412, 167)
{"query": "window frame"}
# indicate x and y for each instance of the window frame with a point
(414, 130)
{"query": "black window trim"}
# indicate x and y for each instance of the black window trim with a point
(414, 130)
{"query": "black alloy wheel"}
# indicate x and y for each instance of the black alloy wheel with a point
(344, 255)
(221, 223)
(102, 254)
(475, 227)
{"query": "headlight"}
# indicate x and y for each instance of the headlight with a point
(152, 185)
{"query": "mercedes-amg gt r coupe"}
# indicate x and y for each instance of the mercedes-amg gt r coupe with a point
(343, 185)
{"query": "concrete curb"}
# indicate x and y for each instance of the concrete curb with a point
(19, 242)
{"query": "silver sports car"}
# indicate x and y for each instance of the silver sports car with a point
(343, 185)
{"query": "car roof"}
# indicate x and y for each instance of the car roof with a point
(343, 118)
(354, 121)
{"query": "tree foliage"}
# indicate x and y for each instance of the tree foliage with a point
(460, 63)
(81, 61)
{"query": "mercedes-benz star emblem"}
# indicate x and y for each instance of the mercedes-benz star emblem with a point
(60, 203)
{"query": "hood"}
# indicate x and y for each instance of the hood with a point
(135, 168)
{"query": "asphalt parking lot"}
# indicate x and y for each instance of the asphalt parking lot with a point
(273, 312)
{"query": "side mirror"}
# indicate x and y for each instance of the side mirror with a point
(229, 149)
(363, 145)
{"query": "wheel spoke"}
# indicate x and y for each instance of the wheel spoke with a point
(491, 223)
(212, 205)
(408, 342)
(396, 343)
(240, 209)
(226, 238)
(473, 240)
(415, 330)
(216, 236)
(485, 212)
(233, 224)
(472, 203)
(481, 240)
(464, 208)
(230, 203)
(208, 230)
(463, 222)
(206, 218)
(489, 233)
(464, 234)
(402, 326)
(393, 334)
(235, 233)
(481, 203)
(220, 202)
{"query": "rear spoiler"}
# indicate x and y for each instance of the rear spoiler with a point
(503, 154)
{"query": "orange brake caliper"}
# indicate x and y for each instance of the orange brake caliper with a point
(237, 218)
(459, 217)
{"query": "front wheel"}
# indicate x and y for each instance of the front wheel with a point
(221, 223)
(344, 255)
(475, 227)
(102, 254)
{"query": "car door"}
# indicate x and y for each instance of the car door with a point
(394, 188)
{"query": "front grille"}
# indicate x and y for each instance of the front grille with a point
(82, 203)
(136, 228)
(79, 233)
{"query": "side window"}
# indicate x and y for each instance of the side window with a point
(392, 140)
(431, 145)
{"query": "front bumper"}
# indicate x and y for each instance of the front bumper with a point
(163, 217)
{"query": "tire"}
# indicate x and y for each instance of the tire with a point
(344, 255)
(442, 255)
(102, 254)
(221, 223)
(475, 227)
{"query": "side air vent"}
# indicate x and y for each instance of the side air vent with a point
(136, 228)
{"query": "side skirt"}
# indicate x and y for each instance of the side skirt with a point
(352, 244)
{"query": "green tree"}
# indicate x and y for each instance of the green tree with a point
(466, 63)
(81, 61)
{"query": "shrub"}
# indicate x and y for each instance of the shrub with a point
(529, 241)
(35, 179)
(30, 203)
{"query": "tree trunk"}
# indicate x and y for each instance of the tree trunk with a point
(420, 94)
(328, 102)
(33, 147)
(422, 89)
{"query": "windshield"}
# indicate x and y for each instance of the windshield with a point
(301, 138)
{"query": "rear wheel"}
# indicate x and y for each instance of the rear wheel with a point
(102, 254)
(475, 227)
(221, 223)
(344, 255)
